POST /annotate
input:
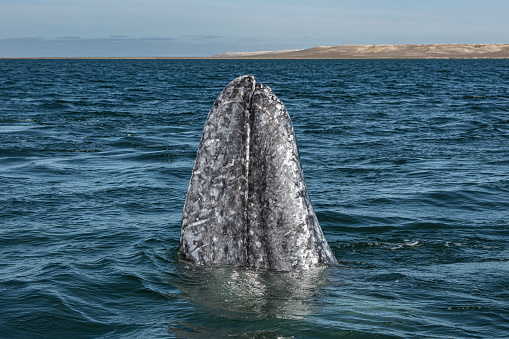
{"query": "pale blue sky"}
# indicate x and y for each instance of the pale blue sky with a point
(204, 28)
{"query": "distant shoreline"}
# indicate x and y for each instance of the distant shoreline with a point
(424, 51)
(429, 51)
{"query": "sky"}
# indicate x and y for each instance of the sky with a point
(172, 28)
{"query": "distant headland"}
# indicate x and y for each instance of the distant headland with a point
(427, 51)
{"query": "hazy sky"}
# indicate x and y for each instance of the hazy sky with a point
(206, 27)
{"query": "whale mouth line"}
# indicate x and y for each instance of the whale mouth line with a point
(247, 201)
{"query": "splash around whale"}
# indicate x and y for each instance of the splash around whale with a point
(247, 202)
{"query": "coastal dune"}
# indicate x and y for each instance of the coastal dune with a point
(427, 51)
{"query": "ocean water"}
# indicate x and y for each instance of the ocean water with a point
(406, 161)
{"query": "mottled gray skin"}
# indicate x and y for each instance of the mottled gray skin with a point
(284, 233)
(214, 221)
(247, 201)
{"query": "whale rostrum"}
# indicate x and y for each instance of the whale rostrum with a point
(247, 202)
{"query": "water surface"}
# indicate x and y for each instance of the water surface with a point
(406, 163)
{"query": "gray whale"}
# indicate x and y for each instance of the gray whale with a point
(247, 202)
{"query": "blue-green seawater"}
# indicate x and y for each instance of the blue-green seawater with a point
(406, 161)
